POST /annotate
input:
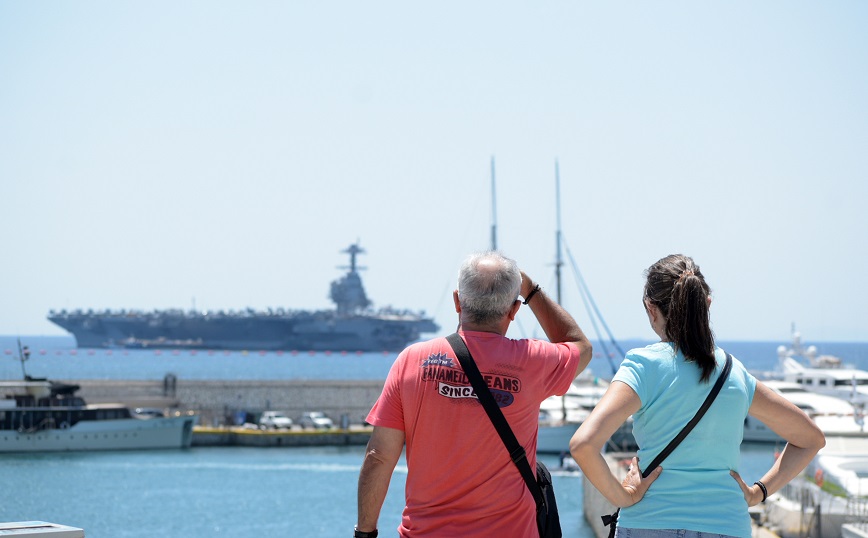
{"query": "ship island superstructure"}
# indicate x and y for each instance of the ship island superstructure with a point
(354, 325)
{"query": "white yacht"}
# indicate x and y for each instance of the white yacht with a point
(831, 498)
(37, 415)
(833, 415)
(824, 374)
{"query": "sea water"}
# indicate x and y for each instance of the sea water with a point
(231, 491)
(57, 358)
(243, 491)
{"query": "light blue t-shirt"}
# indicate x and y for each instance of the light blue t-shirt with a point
(695, 490)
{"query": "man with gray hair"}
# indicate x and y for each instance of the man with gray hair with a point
(460, 478)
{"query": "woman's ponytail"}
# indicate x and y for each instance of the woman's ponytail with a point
(676, 286)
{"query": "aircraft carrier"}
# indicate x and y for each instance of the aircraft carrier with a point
(353, 325)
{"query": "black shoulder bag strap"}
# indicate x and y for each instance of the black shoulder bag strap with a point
(611, 520)
(516, 451)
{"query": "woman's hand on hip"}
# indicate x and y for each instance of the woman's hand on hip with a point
(634, 484)
(752, 495)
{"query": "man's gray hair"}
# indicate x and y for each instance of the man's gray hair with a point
(488, 285)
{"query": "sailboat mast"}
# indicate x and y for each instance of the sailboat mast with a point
(23, 355)
(558, 260)
(493, 209)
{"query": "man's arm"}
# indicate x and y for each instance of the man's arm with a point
(557, 323)
(381, 456)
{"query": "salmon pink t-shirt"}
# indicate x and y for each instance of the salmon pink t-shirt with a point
(460, 480)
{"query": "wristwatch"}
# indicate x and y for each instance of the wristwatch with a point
(363, 534)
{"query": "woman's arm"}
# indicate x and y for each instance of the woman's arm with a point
(804, 440)
(617, 404)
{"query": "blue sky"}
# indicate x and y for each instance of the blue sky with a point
(164, 154)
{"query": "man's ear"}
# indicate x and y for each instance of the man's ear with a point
(514, 310)
(456, 301)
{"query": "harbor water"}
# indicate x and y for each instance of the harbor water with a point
(243, 491)
(57, 358)
(239, 491)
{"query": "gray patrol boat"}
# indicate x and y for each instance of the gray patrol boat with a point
(352, 326)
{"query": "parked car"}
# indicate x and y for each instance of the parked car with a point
(316, 420)
(274, 420)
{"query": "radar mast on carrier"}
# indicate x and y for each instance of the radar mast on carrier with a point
(347, 292)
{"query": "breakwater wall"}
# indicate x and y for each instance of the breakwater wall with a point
(225, 401)
(296, 436)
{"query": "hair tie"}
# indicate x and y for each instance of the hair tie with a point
(686, 273)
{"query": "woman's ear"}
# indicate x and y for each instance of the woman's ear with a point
(654, 313)
(652, 310)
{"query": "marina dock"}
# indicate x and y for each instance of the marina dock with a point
(241, 436)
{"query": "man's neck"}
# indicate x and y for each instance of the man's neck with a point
(483, 328)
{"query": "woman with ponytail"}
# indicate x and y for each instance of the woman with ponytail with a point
(696, 491)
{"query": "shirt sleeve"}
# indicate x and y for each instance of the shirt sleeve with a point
(631, 373)
(565, 356)
(388, 411)
(749, 381)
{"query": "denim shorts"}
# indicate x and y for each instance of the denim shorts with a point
(665, 533)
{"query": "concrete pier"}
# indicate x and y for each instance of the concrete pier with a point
(222, 402)
(240, 436)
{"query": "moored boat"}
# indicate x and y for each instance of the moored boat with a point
(823, 374)
(832, 414)
(38, 415)
(561, 416)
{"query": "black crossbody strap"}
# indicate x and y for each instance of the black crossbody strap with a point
(516, 451)
(684, 431)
